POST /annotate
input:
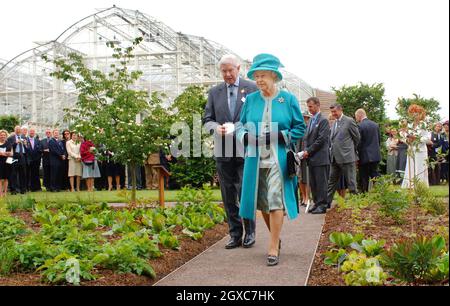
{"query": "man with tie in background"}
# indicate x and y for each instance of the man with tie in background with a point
(317, 155)
(34, 153)
(345, 138)
(18, 180)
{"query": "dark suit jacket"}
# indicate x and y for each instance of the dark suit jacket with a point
(22, 158)
(344, 141)
(56, 151)
(438, 142)
(369, 146)
(317, 142)
(45, 155)
(34, 154)
(217, 113)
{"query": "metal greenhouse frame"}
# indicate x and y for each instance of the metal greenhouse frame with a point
(170, 62)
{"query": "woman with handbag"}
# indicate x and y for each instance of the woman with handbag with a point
(6, 153)
(271, 122)
(90, 166)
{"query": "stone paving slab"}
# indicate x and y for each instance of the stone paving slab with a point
(247, 267)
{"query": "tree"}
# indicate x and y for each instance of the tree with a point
(108, 106)
(369, 97)
(431, 106)
(9, 122)
(193, 170)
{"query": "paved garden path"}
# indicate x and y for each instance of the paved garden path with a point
(247, 267)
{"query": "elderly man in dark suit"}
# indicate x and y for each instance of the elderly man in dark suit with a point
(34, 153)
(18, 179)
(368, 149)
(222, 111)
(344, 140)
(317, 154)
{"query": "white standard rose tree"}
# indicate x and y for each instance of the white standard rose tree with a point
(112, 111)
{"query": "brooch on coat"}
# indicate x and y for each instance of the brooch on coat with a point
(281, 100)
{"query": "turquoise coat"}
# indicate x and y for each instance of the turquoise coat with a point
(287, 118)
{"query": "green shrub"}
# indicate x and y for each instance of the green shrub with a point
(393, 202)
(20, 203)
(8, 257)
(425, 198)
(35, 250)
(415, 261)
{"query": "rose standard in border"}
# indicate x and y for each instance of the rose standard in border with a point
(111, 110)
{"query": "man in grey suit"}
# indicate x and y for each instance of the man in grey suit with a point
(344, 138)
(222, 111)
(317, 154)
(368, 148)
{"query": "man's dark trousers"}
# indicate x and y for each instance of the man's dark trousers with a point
(318, 181)
(367, 171)
(230, 178)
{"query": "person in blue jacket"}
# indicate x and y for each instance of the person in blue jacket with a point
(270, 122)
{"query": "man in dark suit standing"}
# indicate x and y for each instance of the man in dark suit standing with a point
(18, 177)
(368, 149)
(57, 156)
(46, 158)
(34, 153)
(222, 111)
(344, 140)
(317, 155)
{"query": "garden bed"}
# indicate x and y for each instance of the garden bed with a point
(377, 227)
(92, 244)
(387, 237)
(170, 261)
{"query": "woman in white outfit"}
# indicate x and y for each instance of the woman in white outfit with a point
(75, 169)
(417, 138)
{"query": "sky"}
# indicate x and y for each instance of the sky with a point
(403, 44)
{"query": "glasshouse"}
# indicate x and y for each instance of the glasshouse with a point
(170, 62)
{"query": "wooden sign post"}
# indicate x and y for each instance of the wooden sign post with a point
(162, 174)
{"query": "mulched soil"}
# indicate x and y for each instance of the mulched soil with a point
(170, 261)
(374, 226)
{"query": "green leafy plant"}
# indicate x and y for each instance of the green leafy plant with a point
(413, 261)
(335, 257)
(168, 240)
(65, 268)
(362, 271)
(11, 228)
(344, 240)
(369, 247)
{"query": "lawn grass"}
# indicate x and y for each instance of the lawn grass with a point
(440, 191)
(103, 196)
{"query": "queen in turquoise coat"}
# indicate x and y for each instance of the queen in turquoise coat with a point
(270, 121)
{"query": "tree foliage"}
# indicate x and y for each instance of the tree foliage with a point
(369, 97)
(431, 106)
(193, 171)
(8, 122)
(109, 104)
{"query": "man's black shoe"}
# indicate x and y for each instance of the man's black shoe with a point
(249, 240)
(319, 210)
(233, 243)
(312, 208)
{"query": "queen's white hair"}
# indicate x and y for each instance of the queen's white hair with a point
(229, 59)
